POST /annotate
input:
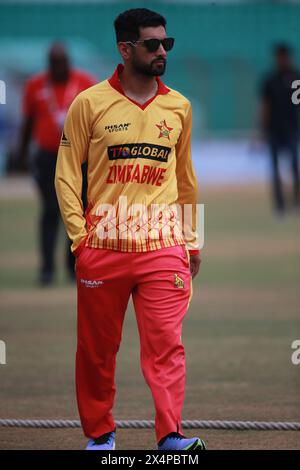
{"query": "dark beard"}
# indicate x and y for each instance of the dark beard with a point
(149, 70)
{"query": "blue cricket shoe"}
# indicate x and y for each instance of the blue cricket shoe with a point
(175, 441)
(104, 442)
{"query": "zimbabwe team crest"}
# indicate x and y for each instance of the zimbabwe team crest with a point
(164, 130)
(178, 282)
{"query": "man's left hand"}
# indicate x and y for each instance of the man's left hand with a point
(195, 261)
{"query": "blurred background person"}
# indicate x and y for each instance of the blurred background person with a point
(47, 97)
(280, 122)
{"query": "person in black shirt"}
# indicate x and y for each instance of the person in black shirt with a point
(280, 122)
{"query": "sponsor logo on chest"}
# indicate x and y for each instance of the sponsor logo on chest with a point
(117, 127)
(148, 151)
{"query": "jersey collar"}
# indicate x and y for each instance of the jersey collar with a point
(114, 81)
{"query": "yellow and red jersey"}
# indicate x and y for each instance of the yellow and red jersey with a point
(138, 156)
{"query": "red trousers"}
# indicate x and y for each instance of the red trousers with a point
(160, 284)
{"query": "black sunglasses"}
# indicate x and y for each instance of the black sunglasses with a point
(153, 44)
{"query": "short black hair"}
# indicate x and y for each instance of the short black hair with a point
(128, 24)
(282, 48)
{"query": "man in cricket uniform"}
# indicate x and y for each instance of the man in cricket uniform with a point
(135, 134)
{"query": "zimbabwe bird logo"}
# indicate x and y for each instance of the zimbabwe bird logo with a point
(178, 282)
(164, 129)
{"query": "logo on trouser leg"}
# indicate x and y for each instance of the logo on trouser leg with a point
(90, 283)
(178, 282)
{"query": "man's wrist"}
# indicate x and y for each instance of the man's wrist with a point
(80, 247)
(194, 252)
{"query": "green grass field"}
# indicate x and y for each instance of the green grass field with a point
(237, 333)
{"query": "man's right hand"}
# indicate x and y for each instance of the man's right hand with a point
(22, 150)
